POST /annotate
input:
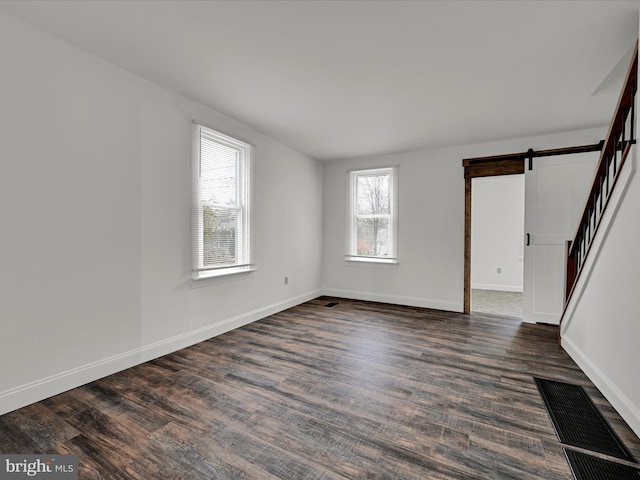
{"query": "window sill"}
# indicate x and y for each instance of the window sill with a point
(371, 260)
(214, 277)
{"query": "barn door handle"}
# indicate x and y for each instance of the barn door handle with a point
(528, 239)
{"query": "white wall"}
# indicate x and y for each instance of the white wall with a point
(95, 209)
(600, 329)
(431, 223)
(497, 226)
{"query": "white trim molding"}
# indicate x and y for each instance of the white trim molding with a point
(394, 299)
(625, 407)
(500, 288)
(29, 393)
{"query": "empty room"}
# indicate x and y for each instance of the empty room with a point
(240, 239)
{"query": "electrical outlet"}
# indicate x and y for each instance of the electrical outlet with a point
(498, 270)
(286, 280)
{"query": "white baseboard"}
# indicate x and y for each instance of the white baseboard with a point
(500, 288)
(29, 393)
(394, 299)
(627, 410)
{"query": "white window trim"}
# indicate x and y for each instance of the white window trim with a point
(351, 255)
(245, 184)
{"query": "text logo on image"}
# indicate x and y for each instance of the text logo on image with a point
(50, 467)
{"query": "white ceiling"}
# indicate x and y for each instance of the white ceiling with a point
(336, 79)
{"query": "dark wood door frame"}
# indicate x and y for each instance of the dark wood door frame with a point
(493, 166)
(474, 168)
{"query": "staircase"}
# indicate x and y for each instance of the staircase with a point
(614, 153)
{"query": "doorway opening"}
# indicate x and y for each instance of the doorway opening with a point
(510, 164)
(497, 260)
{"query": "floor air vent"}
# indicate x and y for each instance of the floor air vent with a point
(577, 420)
(588, 467)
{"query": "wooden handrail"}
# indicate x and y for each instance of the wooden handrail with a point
(616, 147)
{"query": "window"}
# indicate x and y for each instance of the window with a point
(221, 204)
(373, 215)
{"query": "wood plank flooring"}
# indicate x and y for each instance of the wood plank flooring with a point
(359, 390)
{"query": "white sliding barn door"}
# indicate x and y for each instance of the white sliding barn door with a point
(555, 194)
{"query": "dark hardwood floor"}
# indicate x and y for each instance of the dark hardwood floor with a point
(359, 390)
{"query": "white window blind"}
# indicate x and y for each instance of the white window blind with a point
(221, 203)
(372, 215)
